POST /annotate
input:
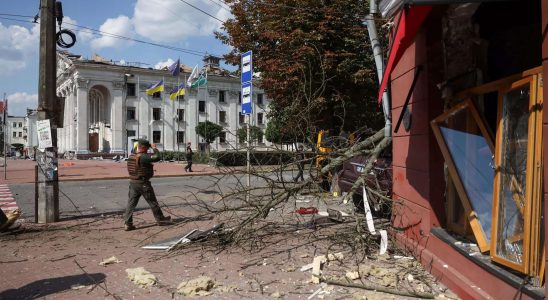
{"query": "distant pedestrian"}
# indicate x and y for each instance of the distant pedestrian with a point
(140, 169)
(189, 154)
(300, 159)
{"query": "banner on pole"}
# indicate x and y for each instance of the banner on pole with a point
(43, 129)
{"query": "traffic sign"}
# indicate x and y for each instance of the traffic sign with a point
(246, 98)
(247, 67)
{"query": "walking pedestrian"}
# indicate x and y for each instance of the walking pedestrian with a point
(140, 169)
(300, 159)
(189, 154)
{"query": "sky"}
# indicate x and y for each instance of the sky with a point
(174, 23)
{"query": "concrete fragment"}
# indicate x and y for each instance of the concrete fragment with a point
(141, 277)
(410, 278)
(276, 295)
(199, 286)
(110, 260)
(306, 267)
(317, 265)
(336, 256)
(352, 275)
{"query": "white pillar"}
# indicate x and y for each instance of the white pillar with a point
(116, 119)
(82, 126)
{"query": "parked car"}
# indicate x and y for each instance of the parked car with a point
(379, 178)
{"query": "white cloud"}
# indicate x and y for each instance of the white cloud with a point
(17, 46)
(82, 34)
(121, 26)
(173, 20)
(160, 65)
(19, 102)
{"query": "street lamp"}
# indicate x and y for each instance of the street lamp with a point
(126, 76)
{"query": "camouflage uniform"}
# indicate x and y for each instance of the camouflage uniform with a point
(140, 171)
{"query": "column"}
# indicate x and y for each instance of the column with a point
(82, 126)
(72, 118)
(117, 118)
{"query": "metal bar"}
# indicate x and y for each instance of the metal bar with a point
(411, 89)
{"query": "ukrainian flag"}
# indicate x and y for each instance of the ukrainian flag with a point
(155, 88)
(177, 91)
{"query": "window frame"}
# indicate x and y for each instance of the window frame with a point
(531, 208)
(222, 117)
(180, 114)
(133, 110)
(481, 239)
(131, 87)
(182, 140)
(222, 96)
(154, 111)
(155, 134)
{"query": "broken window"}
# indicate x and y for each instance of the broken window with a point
(498, 184)
(467, 149)
(518, 178)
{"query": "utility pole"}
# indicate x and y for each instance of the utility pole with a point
(48, 187)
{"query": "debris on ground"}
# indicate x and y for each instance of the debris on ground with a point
(110, 260)
(352, 275)
(141, 277)
(199, 286)
(276, 295)
(317, 265)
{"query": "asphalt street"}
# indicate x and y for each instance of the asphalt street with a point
(85, 198)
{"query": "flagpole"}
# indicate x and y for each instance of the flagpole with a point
(163, 118)
(138, 110)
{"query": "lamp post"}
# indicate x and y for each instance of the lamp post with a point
(124, 134)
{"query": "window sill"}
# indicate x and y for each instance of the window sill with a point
(484, 262)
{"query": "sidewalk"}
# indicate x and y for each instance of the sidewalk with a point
(22, 171)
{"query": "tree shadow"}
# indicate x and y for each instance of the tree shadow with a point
(44, 287)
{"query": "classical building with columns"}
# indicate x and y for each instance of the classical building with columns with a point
(105, 106)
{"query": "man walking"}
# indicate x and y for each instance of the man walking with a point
(140, 169)
(300, 159)
(189, 154)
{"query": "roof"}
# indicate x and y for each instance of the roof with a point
(388, 8)
(99, 60)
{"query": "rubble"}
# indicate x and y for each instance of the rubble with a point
(199, 286)
(352, 275)
(141, 277)
(110, 260)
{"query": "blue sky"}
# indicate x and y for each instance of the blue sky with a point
(167, 22)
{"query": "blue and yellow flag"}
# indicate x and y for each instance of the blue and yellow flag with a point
(177, 91)
(155, 88)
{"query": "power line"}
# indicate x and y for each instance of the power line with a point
(212, 16)
(12, 15)
(108, 34)
(218, 3)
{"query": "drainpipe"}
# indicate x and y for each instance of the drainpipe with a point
(377, 52)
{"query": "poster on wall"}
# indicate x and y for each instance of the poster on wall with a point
(44, 134)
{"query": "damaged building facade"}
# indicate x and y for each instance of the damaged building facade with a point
(467, 79)
(105, 106)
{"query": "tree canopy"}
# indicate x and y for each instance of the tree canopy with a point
(315, 59)
(209, 131)
(255, 134)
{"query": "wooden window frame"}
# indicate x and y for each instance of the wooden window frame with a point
(452, 199)
(483, 243)
(531, 209)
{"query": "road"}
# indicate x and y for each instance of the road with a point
(92, 197)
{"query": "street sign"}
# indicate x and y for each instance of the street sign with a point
(246, 98)
(247, 67)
